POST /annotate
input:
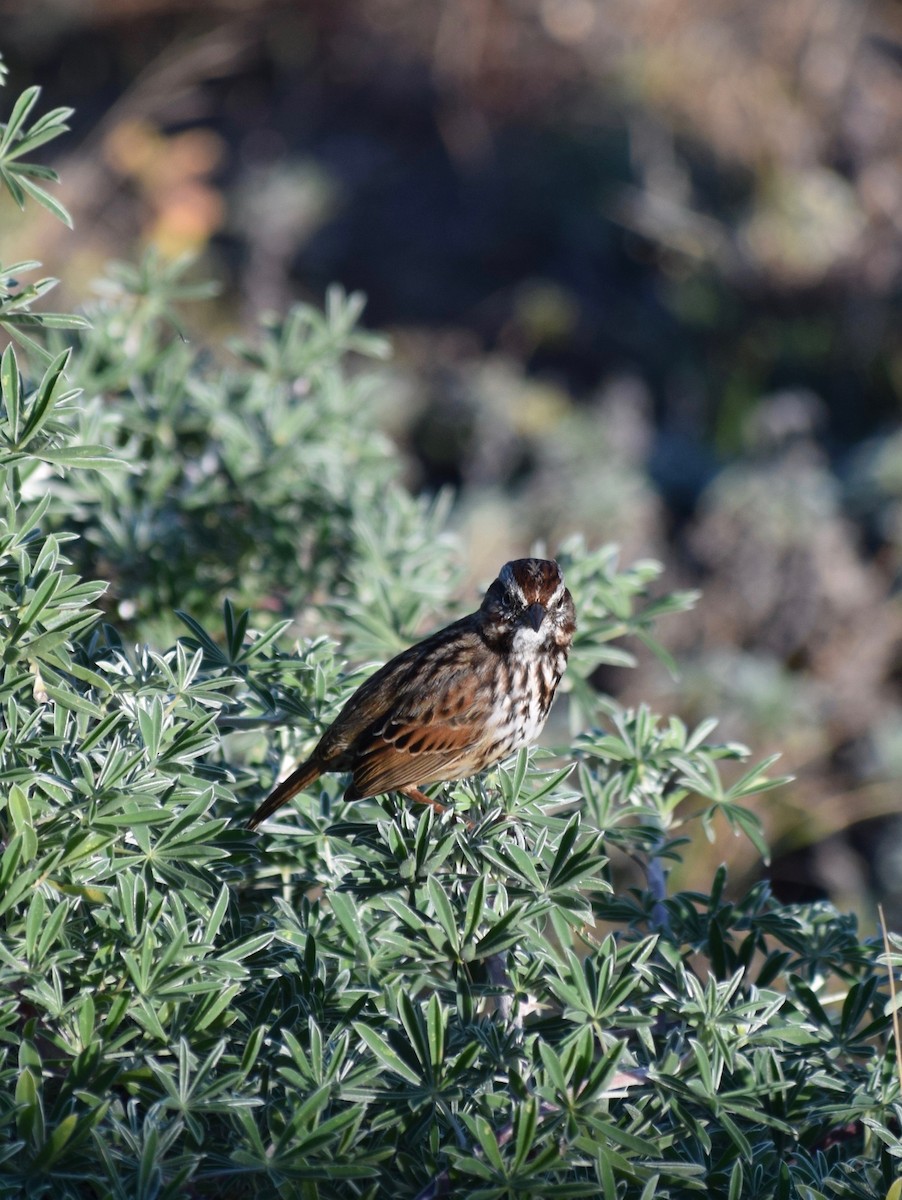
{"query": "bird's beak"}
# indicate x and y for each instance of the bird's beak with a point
(535, 615)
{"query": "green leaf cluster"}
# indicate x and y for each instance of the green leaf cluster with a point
(365, 1001)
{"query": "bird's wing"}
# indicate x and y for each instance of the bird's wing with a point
(414, 720)
(400, 756)
(403, 690)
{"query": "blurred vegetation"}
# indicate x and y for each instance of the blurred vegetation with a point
(640, 264)
(363, 1001)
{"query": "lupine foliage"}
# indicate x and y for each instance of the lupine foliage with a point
(365, 1000)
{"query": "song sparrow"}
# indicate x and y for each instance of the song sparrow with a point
(451, 705)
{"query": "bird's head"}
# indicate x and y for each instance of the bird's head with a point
(528, 607)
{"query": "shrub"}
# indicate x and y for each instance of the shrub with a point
(366, 1000)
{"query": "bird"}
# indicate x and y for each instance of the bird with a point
(455, 703)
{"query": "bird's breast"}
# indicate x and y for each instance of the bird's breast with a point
(526, 692)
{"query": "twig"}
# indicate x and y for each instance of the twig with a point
(657, 885)
(892, 993)
(496, 969)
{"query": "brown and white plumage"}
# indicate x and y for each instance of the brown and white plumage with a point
(455, 703)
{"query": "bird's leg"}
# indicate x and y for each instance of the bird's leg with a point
(414, 793)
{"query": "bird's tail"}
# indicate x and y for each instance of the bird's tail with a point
(299, 778)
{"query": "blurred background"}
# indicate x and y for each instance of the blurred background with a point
(641, 264)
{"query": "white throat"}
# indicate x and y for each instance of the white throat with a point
(528, 642)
